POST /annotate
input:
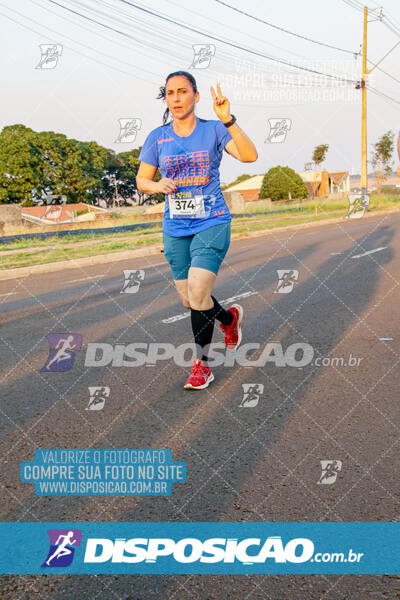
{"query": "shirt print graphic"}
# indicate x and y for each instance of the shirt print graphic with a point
(190, 169)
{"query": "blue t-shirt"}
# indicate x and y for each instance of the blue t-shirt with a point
(193, 163)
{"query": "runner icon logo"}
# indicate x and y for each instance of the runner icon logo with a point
(203, 54)
(132, 281)
(50, 54)
(53, 213)
(330, 470)
(98, 397)
(251, 394)
(278, 129)
(357, 205)
(62, 547)
(286, 280)
(62, 351)
(128, 129)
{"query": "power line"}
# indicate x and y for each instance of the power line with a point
(386, 73)
(120, 32)
(111, 28)
(387, 22)
(303, 37)
(353, 5)
(230, 57)
(233, 45)
(151, 31)
(253, 37)
(97, 22)
(92, 31)
(69, 47)
(393, 18)
(174, 22)
(123, 17)
(391, 26)
(128, 17)
(358, 6)
(379, 93)
(98, 51)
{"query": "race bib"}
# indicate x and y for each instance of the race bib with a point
(187, 204)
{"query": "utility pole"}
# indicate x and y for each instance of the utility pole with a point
(363, 86)
(364, 172)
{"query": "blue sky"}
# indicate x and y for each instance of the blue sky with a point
(102, 75)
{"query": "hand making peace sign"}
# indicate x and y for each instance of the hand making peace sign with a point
(221, 105)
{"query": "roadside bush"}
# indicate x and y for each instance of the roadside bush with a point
(81, 211)
(279, 182)
(28, 202)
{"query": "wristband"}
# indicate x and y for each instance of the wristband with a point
(231, 122)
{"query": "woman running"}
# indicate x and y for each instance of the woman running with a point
(196, 224)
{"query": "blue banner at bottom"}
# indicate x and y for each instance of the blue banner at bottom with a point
(201, 548)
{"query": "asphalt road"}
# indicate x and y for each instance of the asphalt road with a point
(244, 463)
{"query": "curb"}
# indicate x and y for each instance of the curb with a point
(312, 224)
(79, 262)
(156, 249)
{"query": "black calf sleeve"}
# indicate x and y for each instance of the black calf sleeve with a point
(221, 314)
(203, 327)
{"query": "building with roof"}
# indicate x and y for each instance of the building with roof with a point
(57, 214)
(319, 183)
(323, 183)
(249, 189)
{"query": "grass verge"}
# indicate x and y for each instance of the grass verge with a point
(58, 249)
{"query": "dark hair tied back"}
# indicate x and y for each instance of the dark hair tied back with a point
(163, 88)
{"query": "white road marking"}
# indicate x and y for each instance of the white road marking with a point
(385, 339)
(82, 279)
(226, 301)
(8, 294)
(335, 253)
(369, 252)
(176, 318)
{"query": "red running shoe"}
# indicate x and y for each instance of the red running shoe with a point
(200, 376)
(233, 332)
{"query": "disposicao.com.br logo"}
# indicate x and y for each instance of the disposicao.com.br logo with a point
(138, 354)
(173, 547)
(247, 551)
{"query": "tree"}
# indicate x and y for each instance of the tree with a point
(281, 183)
(319, 154)
(238, 179)
(382, 158)
(19, 164)
(124, 168)
(110, 177)
(82, 164)
(128, 172)
(36, 164)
